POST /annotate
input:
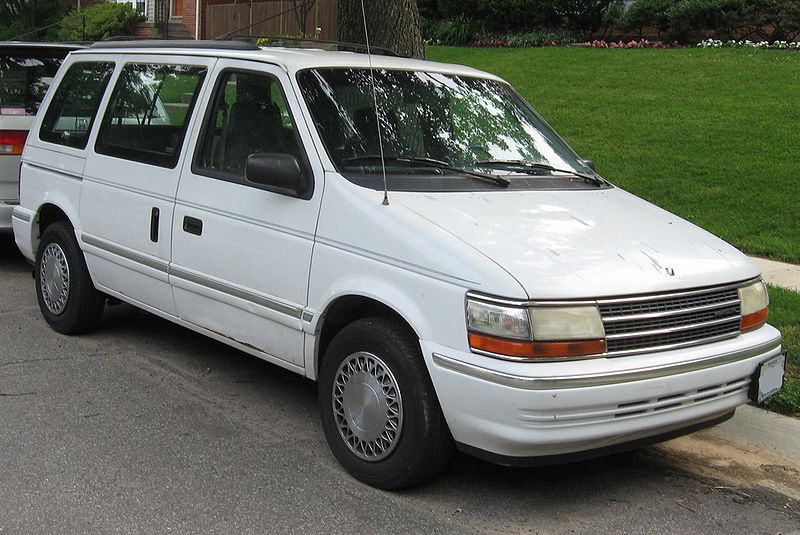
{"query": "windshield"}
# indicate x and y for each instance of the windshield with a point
(24, 80)
(473, 124)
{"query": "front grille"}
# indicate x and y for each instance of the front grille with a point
(671, 321)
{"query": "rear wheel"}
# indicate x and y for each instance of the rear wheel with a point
(379, 411)
(67, 298)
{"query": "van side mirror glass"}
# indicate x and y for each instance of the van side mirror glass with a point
(279, 173)
(588, 163)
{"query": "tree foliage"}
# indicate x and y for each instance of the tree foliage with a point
(99, 21)
(39, 17)
(581, 16)
(725, 19)
(674, 19)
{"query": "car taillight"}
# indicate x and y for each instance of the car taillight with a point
(12, 141)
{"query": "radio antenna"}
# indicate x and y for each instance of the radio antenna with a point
(375, 103)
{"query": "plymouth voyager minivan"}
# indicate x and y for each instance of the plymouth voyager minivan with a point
(445, 267)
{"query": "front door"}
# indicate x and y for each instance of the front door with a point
(241, 255)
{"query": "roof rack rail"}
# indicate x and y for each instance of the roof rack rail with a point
(173, 43)
(355, 47)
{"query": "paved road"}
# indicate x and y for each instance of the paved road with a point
(144, 427)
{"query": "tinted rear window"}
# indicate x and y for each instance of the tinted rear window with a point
(24, 80)
(71, 112)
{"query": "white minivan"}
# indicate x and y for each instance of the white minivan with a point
(443, 264)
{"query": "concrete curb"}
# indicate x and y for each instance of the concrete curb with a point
(768, 431)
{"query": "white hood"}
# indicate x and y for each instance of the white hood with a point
(581, 244)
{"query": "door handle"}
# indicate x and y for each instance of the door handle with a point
(154, 214)
(192, 225)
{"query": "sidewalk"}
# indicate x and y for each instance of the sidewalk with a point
(754, 427)
(779, 273)
(764, 430)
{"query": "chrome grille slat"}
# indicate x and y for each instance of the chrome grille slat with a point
(668, 330)
(652, 315)
(668, 321)
(657, 304)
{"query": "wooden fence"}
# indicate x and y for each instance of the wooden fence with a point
(226, 15)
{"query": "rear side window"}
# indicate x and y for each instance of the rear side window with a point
(24, 79)
(71, 113)
(149, 110)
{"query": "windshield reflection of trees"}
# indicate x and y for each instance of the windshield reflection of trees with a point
(24, 81)
(459, 120)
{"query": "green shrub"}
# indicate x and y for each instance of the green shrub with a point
(99, 21)
(455, 32)
(516, 15)
(725, 18)
(769, 20)
(647, 14)
(538, 38)
(453, 9)
(612, 18)
(583, 16)
(774, 20)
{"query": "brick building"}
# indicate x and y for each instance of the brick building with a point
(206, 19)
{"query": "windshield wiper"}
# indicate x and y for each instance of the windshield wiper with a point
(526, 165)
(431, 162)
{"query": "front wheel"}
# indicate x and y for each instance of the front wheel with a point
(379, 411)
(67, 298)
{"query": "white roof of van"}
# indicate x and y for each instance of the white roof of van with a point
(290, 59)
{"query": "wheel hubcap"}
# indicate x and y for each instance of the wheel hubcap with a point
(367, 406)
(54, 278)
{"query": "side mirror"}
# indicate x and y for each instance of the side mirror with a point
(589, 163)
(279, 173)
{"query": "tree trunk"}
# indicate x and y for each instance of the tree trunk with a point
(392, 24)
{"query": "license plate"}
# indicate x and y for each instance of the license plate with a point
(768, 379)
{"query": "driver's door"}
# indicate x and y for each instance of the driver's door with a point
(241, 255)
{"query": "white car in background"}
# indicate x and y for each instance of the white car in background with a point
(26, 72)
(484, 289)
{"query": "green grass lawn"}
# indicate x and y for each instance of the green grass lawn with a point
(711, 135)
(784, 313)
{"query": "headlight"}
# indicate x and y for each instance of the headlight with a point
(567, 323)
(754, 305)
(518, 332)
(496, 320)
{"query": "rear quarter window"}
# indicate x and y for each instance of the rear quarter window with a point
(70, 115)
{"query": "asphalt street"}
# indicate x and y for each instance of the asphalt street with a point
(145, 427)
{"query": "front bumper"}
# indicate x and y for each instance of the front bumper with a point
(22, 222)
(520, 410)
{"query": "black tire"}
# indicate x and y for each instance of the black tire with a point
(80, 310)
(423, 446)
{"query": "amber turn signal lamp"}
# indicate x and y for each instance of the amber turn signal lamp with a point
(531, 349)
(754, 320)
